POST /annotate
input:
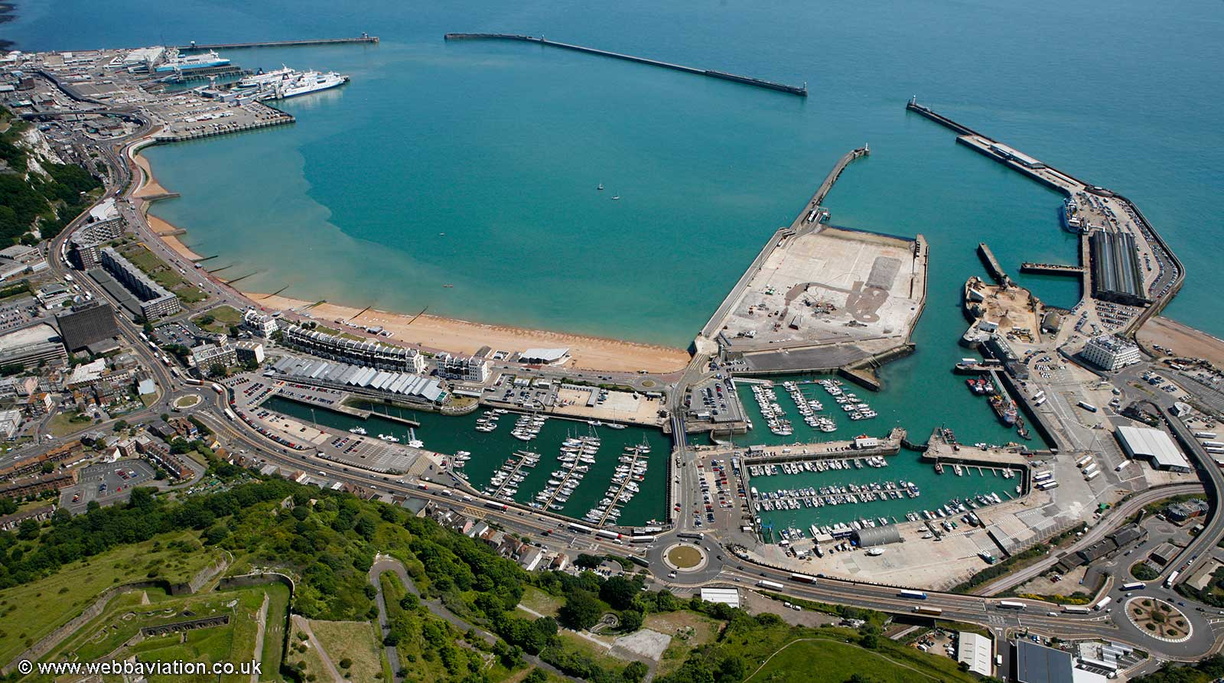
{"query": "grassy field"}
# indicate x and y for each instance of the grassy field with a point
(63, 424)
(600, 654)
(162, 273)
(837, 661)
(539, 601)
(304, 657)
(274, 630)
(354, 641)
(234, 642)
(688, 630)
(123, 618)
(222, 317)
(33, 610)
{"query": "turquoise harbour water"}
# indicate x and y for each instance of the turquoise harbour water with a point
(975, 422)
(449, 435)
(500, 146)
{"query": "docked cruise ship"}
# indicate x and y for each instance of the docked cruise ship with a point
(302, 83)
(177, 63)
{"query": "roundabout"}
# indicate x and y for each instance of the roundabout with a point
(188, 401)
(685, 557)
(1158, 619)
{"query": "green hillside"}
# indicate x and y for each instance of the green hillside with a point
(29, 199)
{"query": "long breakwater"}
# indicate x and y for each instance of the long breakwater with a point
(736, 78)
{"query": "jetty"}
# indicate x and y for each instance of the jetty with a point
(790, 313)
(363, 38)
(722, 75)
(993, 266)
(1111, 214)
(1051, 269)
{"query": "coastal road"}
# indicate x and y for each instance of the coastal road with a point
(1043, 617)
(1118, 513)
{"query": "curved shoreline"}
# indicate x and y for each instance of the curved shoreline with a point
(429, 332)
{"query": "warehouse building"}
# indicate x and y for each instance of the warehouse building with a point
(726, 596)
(1116, 274)
(879, 535)
(355, 378)
(976, 651)
(1154, 446)
(1033, 663)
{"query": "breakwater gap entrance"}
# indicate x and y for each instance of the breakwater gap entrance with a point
(722, 75)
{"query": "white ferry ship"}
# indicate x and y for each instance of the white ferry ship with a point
(176, 62)
(265, 78)
(304, 83)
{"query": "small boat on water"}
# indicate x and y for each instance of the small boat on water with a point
(615, 197)
(600, 187)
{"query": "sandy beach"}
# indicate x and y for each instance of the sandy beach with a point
(465, 337)
(149, 186)
(167, 233)
(1184, 340)
(149, 191)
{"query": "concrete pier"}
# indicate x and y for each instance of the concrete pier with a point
(824, 450)
(363, 38)
(1051, 269)
(942, 120)
(1107, 210)
(736, 78)
(792, 312)
(992, 265)
(809, 214)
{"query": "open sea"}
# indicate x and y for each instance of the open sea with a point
(474, 164)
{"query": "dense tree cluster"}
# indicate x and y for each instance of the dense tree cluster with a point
(26, 198)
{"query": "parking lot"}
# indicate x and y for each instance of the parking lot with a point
(249, 392)
(181, 333)
(722, 496)
(107, 483)
(714, 399)
(528, 393)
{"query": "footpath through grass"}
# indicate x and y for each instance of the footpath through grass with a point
(352, 643)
